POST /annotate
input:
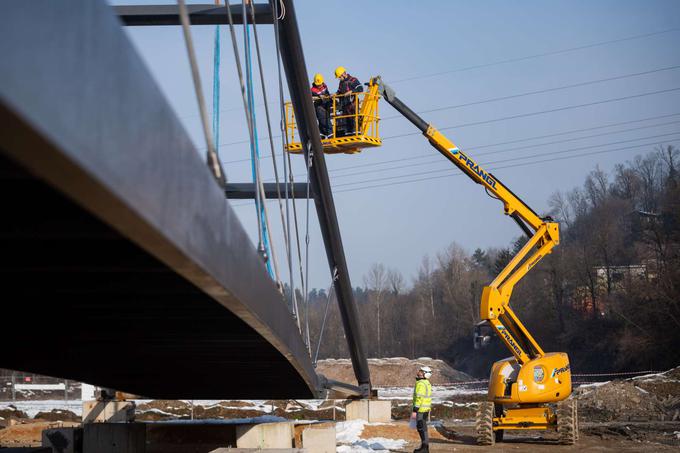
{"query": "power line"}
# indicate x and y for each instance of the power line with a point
(546, 90)
(509, 142)
(538, 55)
(437, 158)
(505, 118)
(515, 158)
(523, 164)
(511, 60)
(541, 112)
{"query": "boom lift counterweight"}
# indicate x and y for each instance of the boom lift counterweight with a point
(520, 387)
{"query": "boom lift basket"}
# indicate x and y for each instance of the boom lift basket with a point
(353, 128)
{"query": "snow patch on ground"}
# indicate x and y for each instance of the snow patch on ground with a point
(222, 421)
(349, 441)
(348, 432)
(439, 394)
(160, 412)
(372, 445)
(594, 384)
(33, 407)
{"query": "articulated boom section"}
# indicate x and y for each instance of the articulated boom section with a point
(519, 386)
(496, 297)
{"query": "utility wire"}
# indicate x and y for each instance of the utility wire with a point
(430, 172)
(523, 164)
(519, 140)
(505, 118)
(437, 158)
(543, 91)
(541, 112)
(508, 142)
(527, 57)
(538, 55)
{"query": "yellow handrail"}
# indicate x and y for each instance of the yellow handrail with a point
(350, 131)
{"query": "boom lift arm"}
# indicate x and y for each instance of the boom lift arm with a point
(543, 235)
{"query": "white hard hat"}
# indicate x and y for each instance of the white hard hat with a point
(427, 371)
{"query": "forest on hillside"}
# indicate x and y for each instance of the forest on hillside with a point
(608, 295)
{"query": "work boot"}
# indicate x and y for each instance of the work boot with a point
(423, 449)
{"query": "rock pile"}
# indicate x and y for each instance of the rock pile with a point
(645, 398)
(395, 371)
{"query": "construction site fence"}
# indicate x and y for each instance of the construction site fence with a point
(482, 383)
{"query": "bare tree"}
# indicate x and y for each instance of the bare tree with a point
(395, 281)
(376, 282)
(425, 276)
(559, 207)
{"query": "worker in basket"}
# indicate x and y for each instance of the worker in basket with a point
(322, 104)
(348, 105)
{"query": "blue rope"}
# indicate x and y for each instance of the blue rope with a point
(255, 150)
(216, 88)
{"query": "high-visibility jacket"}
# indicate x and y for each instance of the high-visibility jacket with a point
(422, 396)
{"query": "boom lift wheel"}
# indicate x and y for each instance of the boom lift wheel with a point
(498, 412)
(566, 423)
(484, 427)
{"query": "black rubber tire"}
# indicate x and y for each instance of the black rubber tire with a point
(498, 412)
(484, 425)
(566, 423)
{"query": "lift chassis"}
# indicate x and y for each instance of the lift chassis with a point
(531, 389)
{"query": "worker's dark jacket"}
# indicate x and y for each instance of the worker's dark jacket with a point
(349, 85)
(321, 90)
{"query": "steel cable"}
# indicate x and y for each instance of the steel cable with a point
(287, 172)
(331, 290)
(263, 210)
(246, 110)
(212, 157)
(269, 130)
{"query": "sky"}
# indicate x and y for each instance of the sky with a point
(583, 84)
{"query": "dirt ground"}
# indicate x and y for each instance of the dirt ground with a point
(637, 414)
(395, 371)
(28, 433)
(612, 437)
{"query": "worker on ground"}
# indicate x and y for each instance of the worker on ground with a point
(348, 105)
(322, 104)
(422, 403)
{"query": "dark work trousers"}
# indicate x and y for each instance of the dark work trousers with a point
(324, 118)
(349, 108)
(421, 426)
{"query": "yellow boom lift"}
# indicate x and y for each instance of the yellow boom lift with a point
(531, 389)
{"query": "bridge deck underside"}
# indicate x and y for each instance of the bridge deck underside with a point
(122, 263)
(82, 301)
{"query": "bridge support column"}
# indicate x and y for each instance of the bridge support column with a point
(293, 59)
(373, 411)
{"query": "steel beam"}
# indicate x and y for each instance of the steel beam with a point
(206, 14)
(298, 85)
(240, 191)
(123, 265)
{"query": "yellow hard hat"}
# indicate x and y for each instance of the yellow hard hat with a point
(318, 79)
(340, 70)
